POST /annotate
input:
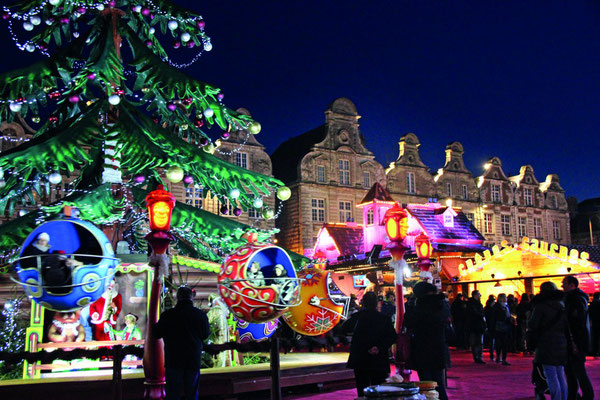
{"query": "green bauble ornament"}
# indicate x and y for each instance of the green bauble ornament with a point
(36, 119)
(284, 193)
(184, 127)
(267, 213)
(174, 174)
(254, 128)
(145, 89)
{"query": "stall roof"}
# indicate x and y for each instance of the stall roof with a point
(461, 232)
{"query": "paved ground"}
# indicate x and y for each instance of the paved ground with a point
(467, 380)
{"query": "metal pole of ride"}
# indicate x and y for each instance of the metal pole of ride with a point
(275, 369)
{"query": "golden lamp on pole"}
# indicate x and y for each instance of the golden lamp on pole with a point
(160, 205)
(424, 250)
(396, 226)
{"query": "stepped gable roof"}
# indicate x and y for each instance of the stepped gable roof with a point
(461, 232)
(377, 192)
(347, 237)
(288, 155)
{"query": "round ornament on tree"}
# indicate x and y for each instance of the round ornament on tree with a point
(36, 119)
(257, 203)
(207, 46)
(237, 211)
(224, 210)
(54, 2)
(267, 213)
(208, 113)
(254, 128)
(35, 20)
(174, 174)
(15, 107)
(185, 37)
(55, 178)
(172, 25)
(234, 193)
(284, 193)
(28, 26)
(114, 99)
(139, 179)
(188, 179)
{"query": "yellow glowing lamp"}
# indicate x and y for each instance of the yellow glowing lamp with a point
(160, 205)
(423, 246)
(396, 223)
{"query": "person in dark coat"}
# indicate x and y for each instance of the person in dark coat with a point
(458, 310)
(426, 321)
(523, 313)
(576, 302)
(594, 311)
(488, 311)
(502, 328)
(183, 329)
(372, 338)
(476, 326)
(548, 330)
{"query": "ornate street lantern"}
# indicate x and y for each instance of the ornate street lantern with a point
(160, 205)
(424, 250)
(396, 223)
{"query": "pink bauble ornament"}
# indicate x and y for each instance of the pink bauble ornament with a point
(191, 44)
(224, 210)
(139, 179)
(91, 76)
(176, 44)
(198, 123)
(200, 23)
(225, 135)
(5, 15)
(220, 96)
(81, 10)
(74, 99)
(64, 20)
(237, 212)
(112, 3)
(145, 12)
(172, 106)
(188, 179)
(204, 141)
(53, 120)
(187, 101)
(148, 43)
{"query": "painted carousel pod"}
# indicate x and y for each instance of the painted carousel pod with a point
(258, 283)
(66, 264)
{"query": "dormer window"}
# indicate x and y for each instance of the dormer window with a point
(447, 217)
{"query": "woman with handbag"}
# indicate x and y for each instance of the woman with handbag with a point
(502, 328)
(547, 336)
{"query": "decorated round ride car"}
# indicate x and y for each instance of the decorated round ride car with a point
(320, 310)
(247, 331)
(66, 264)
(258, 282)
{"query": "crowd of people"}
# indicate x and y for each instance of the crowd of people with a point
(558, 327)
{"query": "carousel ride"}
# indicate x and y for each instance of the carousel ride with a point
(65, 264)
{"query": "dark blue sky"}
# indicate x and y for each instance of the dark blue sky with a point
(515, 79)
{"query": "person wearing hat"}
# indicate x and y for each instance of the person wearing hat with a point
(39, 247)
(426, 321)
(183, 329)
(131, 331)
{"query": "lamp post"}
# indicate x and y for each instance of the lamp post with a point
(160, 205)
(424, 250)
(396, 227)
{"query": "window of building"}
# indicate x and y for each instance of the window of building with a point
(241, 160)
(553, 202)
(318, 210)
(470, 217)
(448, 220)
(410, 183)
(253, 213)
(527, 197)
(465, 192)
(449, 189)
(496, 193)
(344, 172)
(488, 223)
(193, 196)
(320, 174)
(537, 228)
(556, 230)
(366, 179)
(505, 220)
(345, 211)
(370, 216)
(522, 226)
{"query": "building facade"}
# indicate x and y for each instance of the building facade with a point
(328, 169)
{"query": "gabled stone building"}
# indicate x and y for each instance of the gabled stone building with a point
(328, 169)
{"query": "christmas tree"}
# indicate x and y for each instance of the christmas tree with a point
(117, 115)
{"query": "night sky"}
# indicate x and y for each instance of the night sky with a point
(515, 79)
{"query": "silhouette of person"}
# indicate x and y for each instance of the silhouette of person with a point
(183, 328)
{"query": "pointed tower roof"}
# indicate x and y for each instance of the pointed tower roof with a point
(376, 193)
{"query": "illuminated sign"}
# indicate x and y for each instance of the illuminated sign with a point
(548, 250)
